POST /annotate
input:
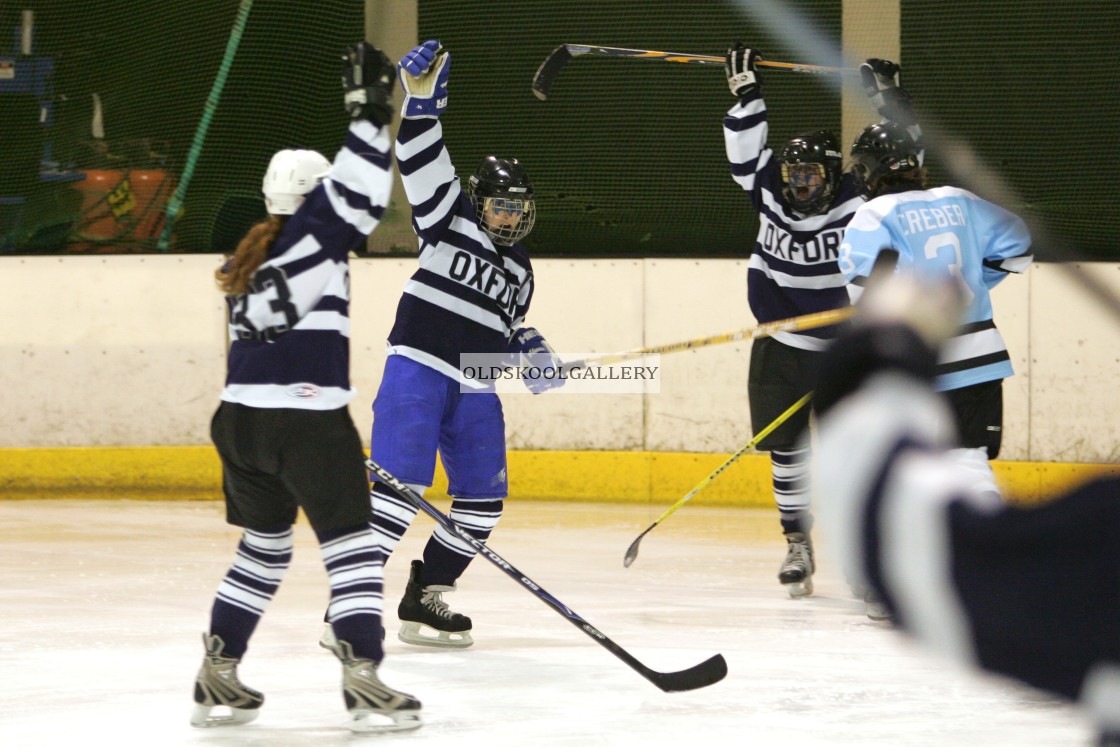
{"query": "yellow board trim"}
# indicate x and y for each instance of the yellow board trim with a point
(638, 477)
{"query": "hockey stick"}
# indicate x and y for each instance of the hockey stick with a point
(632, 551)
(794, 324)
(550, 68)
(175, 204)
(703, 674)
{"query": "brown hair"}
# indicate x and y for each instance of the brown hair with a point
(233, 277)
(903, 181)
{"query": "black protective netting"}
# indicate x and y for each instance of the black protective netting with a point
(627, 155)
(152, 65)
(1033, 88)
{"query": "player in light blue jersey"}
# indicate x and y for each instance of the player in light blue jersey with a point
(804, 201)
(283, 430)
(470, 295)
(940, 233)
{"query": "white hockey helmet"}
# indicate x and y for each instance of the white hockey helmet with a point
(291, 175)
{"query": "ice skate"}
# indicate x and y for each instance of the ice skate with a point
(373, 705)
(875, 607)
(327, 639)
(796, 573)
(220, 697)
(422, 610)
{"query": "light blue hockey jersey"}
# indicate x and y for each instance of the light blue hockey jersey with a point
(945, 232)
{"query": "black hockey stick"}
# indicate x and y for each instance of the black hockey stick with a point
(550, 68)
(703, 674)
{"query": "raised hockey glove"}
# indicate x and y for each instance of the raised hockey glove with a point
(423, 73)
(739, 63)
(540, 366)
(890, 99)
(367, 79)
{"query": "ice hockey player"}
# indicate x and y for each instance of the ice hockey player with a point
(804, 201)
(469, 296)
(942, 233)
(283, 430)
(1029, 592)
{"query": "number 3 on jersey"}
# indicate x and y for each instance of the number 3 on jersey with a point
(949, 240)
(265, 280)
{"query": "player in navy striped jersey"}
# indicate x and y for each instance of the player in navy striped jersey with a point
(946, 233)
(283, 431)
(470, 295)
(1030, 592)
(804, 201)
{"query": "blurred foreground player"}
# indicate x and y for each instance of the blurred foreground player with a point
(1032, 593)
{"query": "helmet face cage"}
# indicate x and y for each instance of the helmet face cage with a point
(811, 165)
(495, 211)
(502, 196)
(882, 150)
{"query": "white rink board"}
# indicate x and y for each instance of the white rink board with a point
(129, 351)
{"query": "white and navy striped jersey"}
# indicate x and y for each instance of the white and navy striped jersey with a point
(792, 270)
(468, 294)
(290, 334)
(972, 577)
(946, 232)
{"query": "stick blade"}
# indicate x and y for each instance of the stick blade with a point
(549, 69)
(703, 674)
(632, 552)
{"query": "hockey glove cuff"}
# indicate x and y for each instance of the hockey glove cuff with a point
(541, 366)
(739, 64)
(424, 72)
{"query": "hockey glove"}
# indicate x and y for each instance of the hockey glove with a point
(880, 83)
(901, 322)
(423, 73)
(367, 79)
(739, 63)
(539, 363)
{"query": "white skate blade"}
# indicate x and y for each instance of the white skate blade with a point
(327, 640)
(418, 635)
(800, 589)
(367, 721)
(205, 716)
(878, 612)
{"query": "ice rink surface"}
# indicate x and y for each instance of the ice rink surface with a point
(103, 604)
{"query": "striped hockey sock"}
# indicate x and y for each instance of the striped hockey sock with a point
(446, 556)
(258, 568)
(392, 515)
(790, 473)
(356, 573)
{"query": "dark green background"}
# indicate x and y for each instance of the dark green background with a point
(627, 155)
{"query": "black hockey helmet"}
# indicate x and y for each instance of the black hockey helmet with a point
(883, 149)
(811, 165)
(501, 191)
